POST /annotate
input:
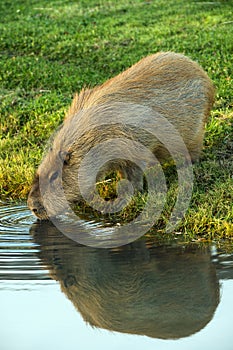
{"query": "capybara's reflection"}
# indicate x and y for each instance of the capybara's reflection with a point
(161, 292)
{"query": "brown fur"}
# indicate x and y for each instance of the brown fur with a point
(162, 292)
(166, 83)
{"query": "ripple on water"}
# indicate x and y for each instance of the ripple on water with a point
(19, 263)
(15, 217)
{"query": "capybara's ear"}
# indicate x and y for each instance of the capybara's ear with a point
(65, 156)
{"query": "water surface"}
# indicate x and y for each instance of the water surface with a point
(57, 294)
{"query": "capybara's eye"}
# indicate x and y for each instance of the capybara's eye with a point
(54, 176)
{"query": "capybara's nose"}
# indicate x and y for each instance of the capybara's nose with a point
(37, 208)
(34, 210)
(32, 205)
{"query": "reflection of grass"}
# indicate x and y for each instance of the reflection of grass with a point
(50, 49)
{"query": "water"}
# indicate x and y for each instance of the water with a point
(57, 294)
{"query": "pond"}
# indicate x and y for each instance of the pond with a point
(58, 294)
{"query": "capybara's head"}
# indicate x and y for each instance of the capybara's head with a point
(57, 180)
(161, 292)
(46, 183)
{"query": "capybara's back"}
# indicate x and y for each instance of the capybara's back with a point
(165, 84)
(170, 84)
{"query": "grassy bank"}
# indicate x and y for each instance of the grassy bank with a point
(51, 49)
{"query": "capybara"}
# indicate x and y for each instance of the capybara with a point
(161, 292)
(161, 87)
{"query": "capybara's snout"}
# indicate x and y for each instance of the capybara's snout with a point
(34, 201)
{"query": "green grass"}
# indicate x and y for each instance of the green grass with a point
(51, 49)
